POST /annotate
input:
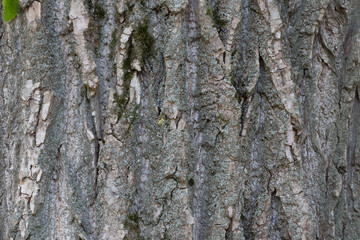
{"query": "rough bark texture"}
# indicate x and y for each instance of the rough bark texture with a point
(180, 119)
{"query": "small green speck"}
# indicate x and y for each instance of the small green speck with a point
(161, 121)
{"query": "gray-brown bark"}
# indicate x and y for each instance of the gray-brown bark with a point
(180, 119)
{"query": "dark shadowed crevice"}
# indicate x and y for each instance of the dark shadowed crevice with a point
(228, 231)
(350, 156)
(287, 9)
(274, 215)
(278, 226)
(93, 105)
(246, 227)
(263, 75)
(346, 49)
(192, 70)
(158, 84)
(96, 174)
(257, 179)
(216, 11)
(58, 172)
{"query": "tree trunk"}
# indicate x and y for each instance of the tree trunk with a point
(180, 119)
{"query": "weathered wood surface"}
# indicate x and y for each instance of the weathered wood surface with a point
(180, 119)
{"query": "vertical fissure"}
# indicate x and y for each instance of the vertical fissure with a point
(278, 228)
(192, 62)
(93, 120)
(58, 180)
(246, 222)
(350, 156)
(96, 121)
(228, 231)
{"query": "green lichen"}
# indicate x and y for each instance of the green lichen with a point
(233, 81)
(132, 224)
(144, 41)
(220, 23)
(95, 11)
(141, 47)
(208, 11)
(130, 7)
(112, 47)
(99, 11)
(134, 219)
(166, 237)
(128, 73)
(121, 102)
(117, 17)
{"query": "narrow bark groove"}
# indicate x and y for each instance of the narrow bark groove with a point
(350, 155)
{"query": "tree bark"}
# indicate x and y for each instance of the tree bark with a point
(180, 119)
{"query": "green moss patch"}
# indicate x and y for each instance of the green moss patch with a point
(112, 47)
(132, 224)
(144, 41)
(123, 99)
